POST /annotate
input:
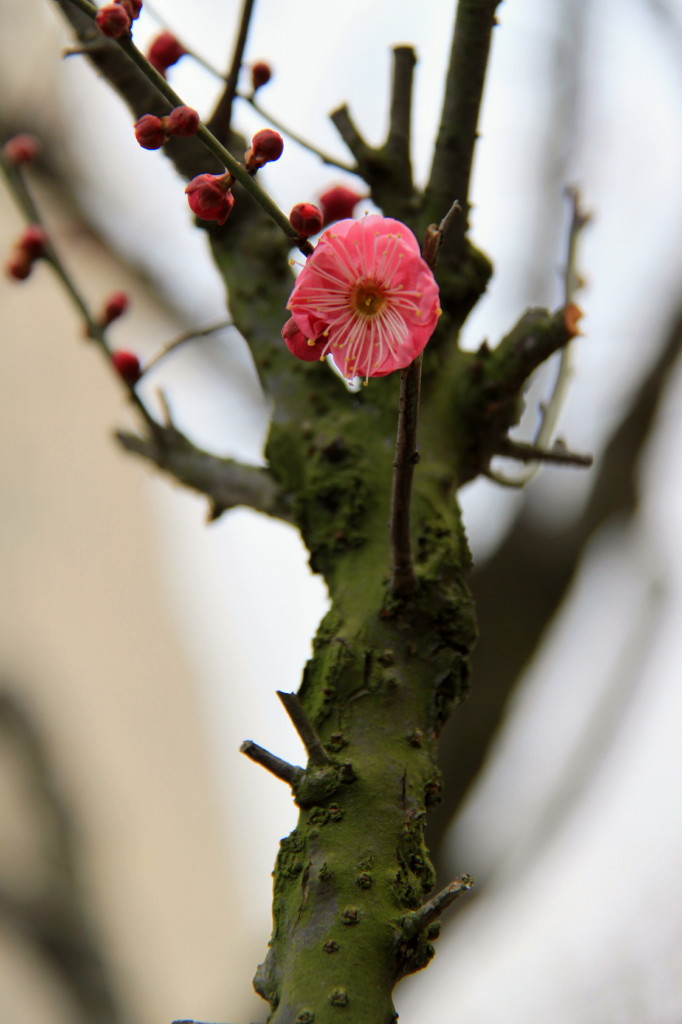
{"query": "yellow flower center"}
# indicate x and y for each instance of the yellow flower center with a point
(367, 298)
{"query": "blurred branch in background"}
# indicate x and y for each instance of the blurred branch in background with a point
(519, 589)
(51, 911)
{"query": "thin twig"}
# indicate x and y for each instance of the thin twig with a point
(289, 773)
(532, 453)
(551, 410)
(415, 922)
(305, 728)
(221, 120)
(326, 158)
(182, 339)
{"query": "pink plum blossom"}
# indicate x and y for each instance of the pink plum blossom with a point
(366, 297)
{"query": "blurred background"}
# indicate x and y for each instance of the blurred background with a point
(140, 646)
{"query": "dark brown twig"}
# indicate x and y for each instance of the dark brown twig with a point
(403, 579)
(288, 773)
(305, 728)
(221, 120)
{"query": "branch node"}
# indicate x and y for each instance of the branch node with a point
(305, 728)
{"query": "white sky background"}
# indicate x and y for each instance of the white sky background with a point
(587, 925)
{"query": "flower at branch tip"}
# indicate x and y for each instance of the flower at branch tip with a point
(21, 149)
(114, 307)
(266, 145)
(113, 20)
(127, 366)
(209, 196)
(305, 219)
(164, 51)
(260, 74)
(338, 203)
(150, 132)
(183, 121)
(366, 297)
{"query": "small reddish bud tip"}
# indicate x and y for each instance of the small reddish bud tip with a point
(164, 51)
(338, 203)
(113, 20)
(266, 146)
(133, 7)
(298, 344)
(572, 317)
(127, 366)
(33, 241)
(260, 74)
(209, 196)
(21, 149)
(183, 121)
(114, 307)
(150, 132)
(19, 265)
(305, 219)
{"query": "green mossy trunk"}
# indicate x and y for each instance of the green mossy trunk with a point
(383, 678)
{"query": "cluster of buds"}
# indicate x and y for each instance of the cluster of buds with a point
(21, 149)
(164, 51)
(114, 19)
(266, 146)
(29, 247)
(153, 132)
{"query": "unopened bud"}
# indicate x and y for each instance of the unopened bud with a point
(19, 265)
(164, 51)
(209, 196)
(266, 146)
(114, 307)
(113, 20)
(305, 219)
(133, 7)
(150, 132)
(260, 74)
(21, 149)
(338, 203)
(127, 365)
(33, 241)
(183, 121)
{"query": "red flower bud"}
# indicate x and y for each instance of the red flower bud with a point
(209, 196)
(21, 149)
(299, 345)
(127, 365)
(305, 219)
(165, 50)
(266, 145)
(133, 7)
(113, 20)
(114, 307)
(260, 74)
(19, 264)
(338, 203)
(33, 241)
(150, 132)
(183, 121)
